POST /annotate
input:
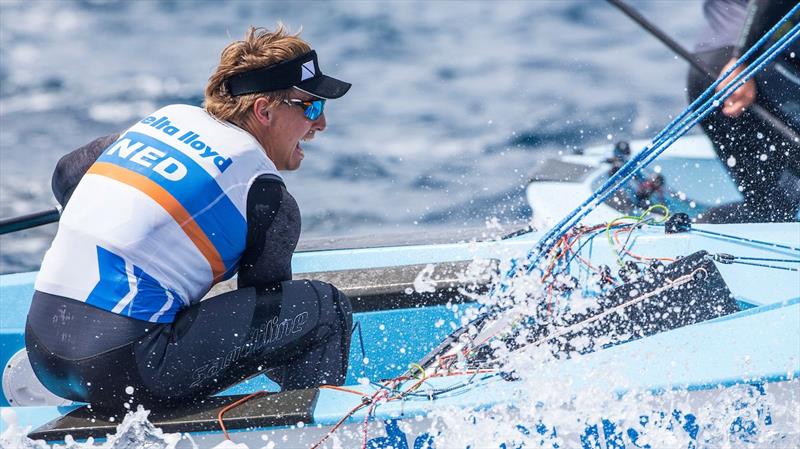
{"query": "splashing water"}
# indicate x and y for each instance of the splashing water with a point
(549, 412)
(134, 432)
(597, 406)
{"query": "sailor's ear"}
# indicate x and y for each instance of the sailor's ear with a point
(262, 112)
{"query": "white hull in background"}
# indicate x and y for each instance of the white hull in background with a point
(551, 200)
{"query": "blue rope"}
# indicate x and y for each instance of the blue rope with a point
(738, 81)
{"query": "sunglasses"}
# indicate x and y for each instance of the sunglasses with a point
(312, 109)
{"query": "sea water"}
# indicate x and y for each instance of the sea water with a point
(452, 107)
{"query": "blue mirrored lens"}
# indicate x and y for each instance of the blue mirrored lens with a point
(314, 110)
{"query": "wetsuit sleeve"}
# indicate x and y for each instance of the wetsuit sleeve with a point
(273, 228)
(761, 16)
(71, 167)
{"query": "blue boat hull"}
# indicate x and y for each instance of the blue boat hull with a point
(729, 380)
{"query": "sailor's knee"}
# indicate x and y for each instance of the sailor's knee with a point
(335, 306)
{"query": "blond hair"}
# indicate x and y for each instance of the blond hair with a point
(260, 48)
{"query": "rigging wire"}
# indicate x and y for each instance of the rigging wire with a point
(752, 264)
(745, 239)
(768, 259)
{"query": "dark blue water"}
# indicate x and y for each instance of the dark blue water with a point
(452, 104)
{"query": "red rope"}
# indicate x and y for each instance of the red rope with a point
(347, 390)
(338, 424)
(366, 418)
(232, 406)
(635, 256)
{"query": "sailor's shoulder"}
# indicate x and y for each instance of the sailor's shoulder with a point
(197, 120)
(176, 107)
(185, 111)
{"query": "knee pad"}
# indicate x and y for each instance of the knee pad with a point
(341, 325)
(336, 312)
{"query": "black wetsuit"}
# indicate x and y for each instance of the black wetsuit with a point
(764, 164)
(298, 332)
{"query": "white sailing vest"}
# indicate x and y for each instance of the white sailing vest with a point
(159, 218)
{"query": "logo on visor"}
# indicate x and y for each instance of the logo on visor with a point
(307, 71)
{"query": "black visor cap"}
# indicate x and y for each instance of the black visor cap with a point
(302, 72)
(324, 87)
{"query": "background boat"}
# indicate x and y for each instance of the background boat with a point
(688, 178)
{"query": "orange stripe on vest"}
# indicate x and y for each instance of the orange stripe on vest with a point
(171, 205)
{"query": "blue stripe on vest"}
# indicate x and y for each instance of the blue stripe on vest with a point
(113, 283)
(198, 192)
(151, 301)
(150, 298)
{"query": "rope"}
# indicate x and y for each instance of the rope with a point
(346, 390)
(387, 392)
(340, 422)
(638, 220)
(232, 406)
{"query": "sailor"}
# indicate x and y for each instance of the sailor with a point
(762, 163)
(183, 199)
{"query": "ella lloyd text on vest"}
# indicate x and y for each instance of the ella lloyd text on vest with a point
(166, 166)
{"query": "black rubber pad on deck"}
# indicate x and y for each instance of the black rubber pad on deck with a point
(703, 298)
(277, 409)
